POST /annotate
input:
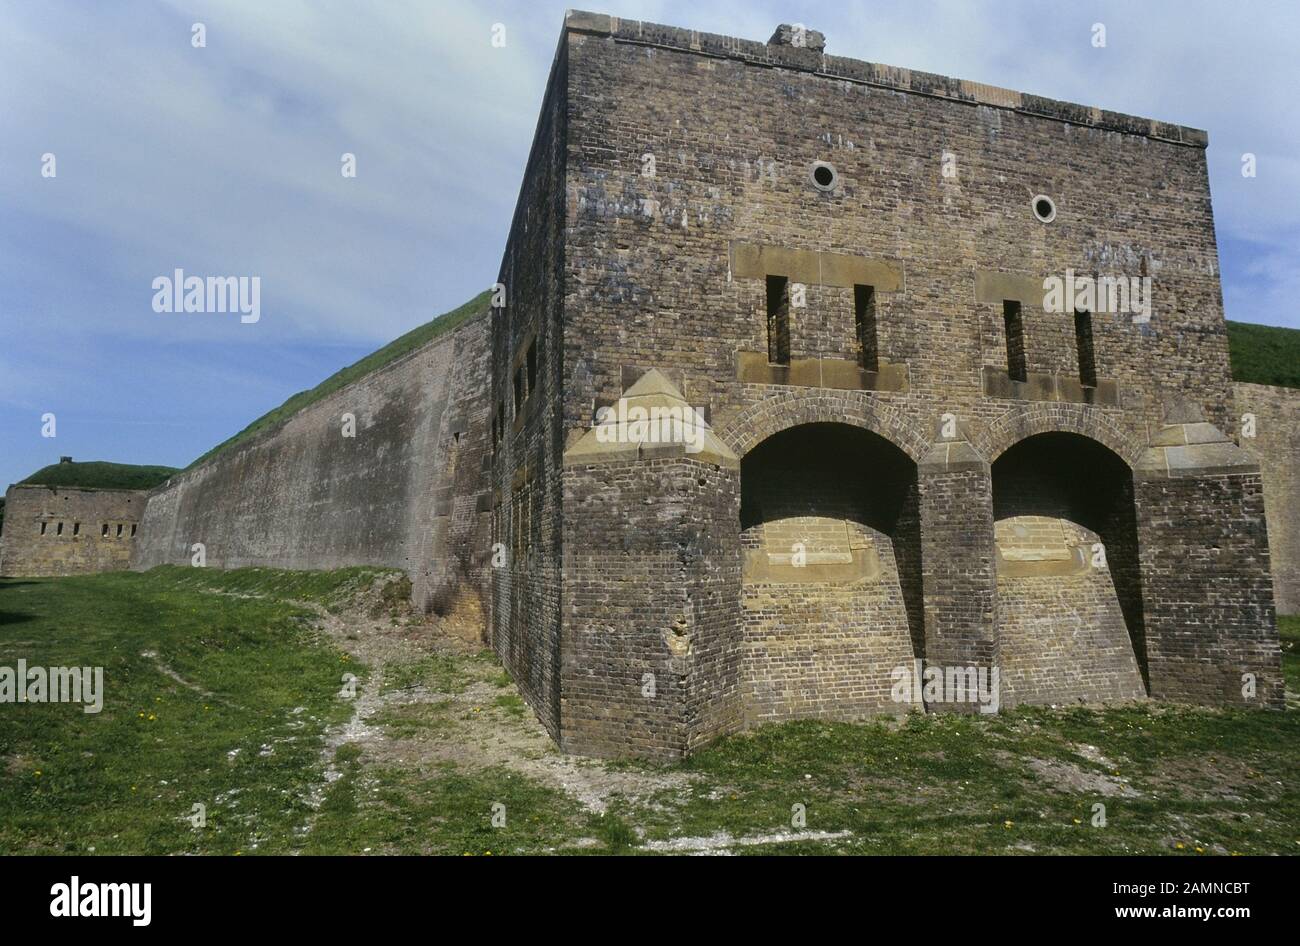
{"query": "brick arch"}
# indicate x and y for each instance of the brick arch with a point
(1083, 419)
(855, 408)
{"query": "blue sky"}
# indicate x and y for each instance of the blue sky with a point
(225, 160)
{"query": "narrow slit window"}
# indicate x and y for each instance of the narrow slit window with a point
(76, 528)
(778, 320)
(517, 513)
(43, 525)
(59, 529)
(119, 530)
(864, 317)
(1087, 351)
(103, 533)
(133, 530)
(1014, 322)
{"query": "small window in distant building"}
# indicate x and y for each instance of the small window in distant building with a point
(103, 533)
(133, 530)
(119, 530)
(43, 528)
(76, 528)
(59, 530)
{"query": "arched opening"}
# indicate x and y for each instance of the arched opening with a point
(831, 574)
(1069, 588)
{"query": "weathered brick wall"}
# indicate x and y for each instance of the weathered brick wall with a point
(711, 561)
(1062, 632)
(61, 530)
(958, 563)
(402, 493)
(1207, 590)
(669, 192)
(1276, 448)
(525, 468)
(653, 262)
(826, 622)
(824, 648)
(651, 651)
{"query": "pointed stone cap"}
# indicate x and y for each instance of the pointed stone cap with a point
(1192, 450)
(651, 419)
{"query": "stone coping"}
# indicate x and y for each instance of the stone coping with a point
(808, 59)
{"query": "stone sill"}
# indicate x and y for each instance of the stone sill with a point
(1041, 386)
(752, 367)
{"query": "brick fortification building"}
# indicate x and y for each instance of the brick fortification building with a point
(841, 265)
(906, 456)
(69, 530)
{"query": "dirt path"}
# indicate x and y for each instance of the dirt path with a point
(432, 697)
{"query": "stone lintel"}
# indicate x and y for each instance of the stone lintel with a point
(815, 268)
(842, 374)
(1043, 386)
(997, 288)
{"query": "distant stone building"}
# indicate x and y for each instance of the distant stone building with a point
(61, 530)
(874, 441)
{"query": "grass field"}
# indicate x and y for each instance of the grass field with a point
(225, 689)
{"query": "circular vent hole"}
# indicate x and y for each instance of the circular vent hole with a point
(824, 176)
(1044, 209)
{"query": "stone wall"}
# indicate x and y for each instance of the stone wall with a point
(1063, 634)
(1209, 620)
(61, 530)
(700, 240)
(825, 616)
(669, 269)
(676, 245)
(526, 355)
(1276, 448)
(405, 491)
